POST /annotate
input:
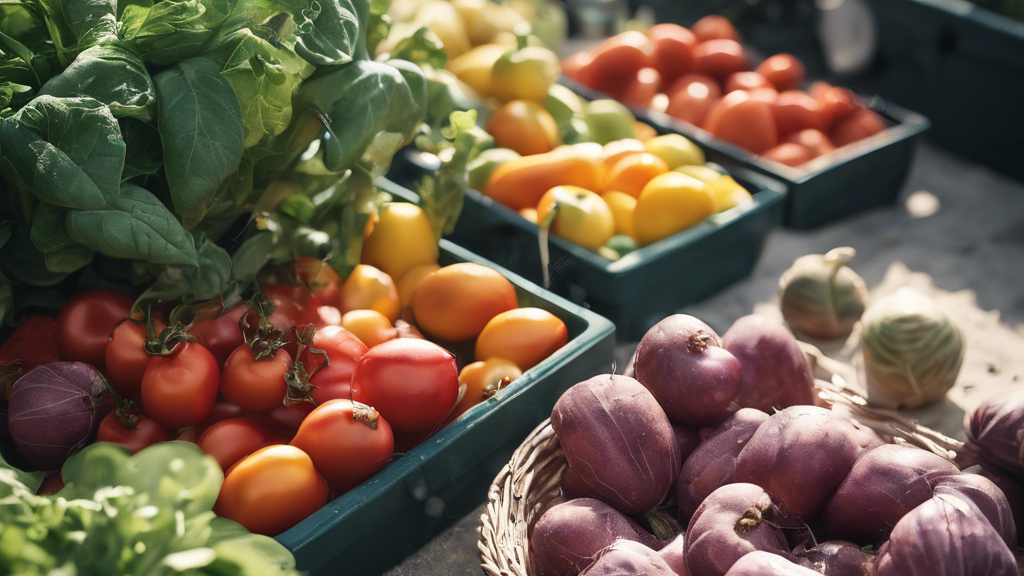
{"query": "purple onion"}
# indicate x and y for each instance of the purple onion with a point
(987, 497)
(55, 410)
(775, 371)
(1010, 487)
(713, 464)
(801, 455)
(682, 362)
(835, 558)
(732, 522)
(767, 564)
(626, 558)
(618, 441)
(688, 439)
(945, 536)
(885, 484)
(995, 430)
(674, 554)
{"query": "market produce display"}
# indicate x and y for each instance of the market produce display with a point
(705, 77)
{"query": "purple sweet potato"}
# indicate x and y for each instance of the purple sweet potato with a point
(688, 439)
(682, 362)
(674, 554)
(995, 431)
(567, 536)
(945, 536)
(881, 488)
(775, 371)
(618, 441)
(835, 558)
(989, 499)
(713, 464)
(733, 521)
(801, 455)
(1011, 488)
(625, 558)
(767, 564)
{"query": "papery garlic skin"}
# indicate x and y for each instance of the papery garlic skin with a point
(821, 296)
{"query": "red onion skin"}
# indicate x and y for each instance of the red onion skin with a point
(775, 374)
(688, 439)
(54, 410)
(626, 558)
(767, 564)
(1011, 488)
(987, 497)
(995, 431)
(836, 558)
(674, 554)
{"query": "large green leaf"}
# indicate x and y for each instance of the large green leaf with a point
(331, 32)
(112, 75)
(68, 150)
(201, 130)
(79, 24)
(207, 279)
(173, 30)
(142, 143)
(136, 227)
(49, 234)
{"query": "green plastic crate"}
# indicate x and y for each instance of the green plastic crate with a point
(388, 517)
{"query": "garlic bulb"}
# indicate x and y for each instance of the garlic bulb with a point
(821, 296)
(912, 350)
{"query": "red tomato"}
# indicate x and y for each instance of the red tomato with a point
(673, 51)
(765, 94)
(293, 305)
(271, 490)
(180, 389)
(329, 316)
(795, 111)
(720, 58)
(228, 441)
(146, 433)
(320, 277)
(746, 81)
(405, 441)
(744, 121)
(347, 442)
(189, 435)
(126, 357)
(714, 27)
(51, 485)
(221, 335)
(643, 88)
(285, 420)
(691, 97)
(32, 344)
(816, 140)
(572, 67)
(616, 62)
(344, 350)
(862, 124)
(790, 154)
(85, 323)
(837, 104)
(255, 385)
(784, 71)
(818, 88)
(412, 383)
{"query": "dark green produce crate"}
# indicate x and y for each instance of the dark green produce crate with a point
(644, 286)
(388, 517)
(857, 177)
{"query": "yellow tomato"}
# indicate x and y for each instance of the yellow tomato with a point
(401, 238)
(525, 127)
(669, 204)
(633, 172)
(474, 67)
(702, 173)
(623, 205)
(526, 336)
(729, 193)
(456, 302)
(583, 217)
(530, 214)
(370, 326)
(676, 150)
(367, 288)
(645, 132)
(619, 149)
(411, 280)
(525, 74)
(483, 379)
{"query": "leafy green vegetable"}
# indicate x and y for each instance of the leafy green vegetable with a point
(173, 30)
(75, 25)
(142, 148)
(443, 192)
(49, 233)
(331, 32)
(379, 25)
(423, 47)
(112, 75)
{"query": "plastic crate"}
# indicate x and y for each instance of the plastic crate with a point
(376, 525)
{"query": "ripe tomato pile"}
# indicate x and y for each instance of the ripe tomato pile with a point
(314, 384)
(705, 77)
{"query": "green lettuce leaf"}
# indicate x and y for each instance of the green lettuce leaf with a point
(173, 30)
(111, 75)
(331, 32)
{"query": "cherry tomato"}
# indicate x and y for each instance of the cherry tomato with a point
(32, 344)
(714, 27)
(126, 358)
(744, 121)
(616, 61)
(837, 104)
(815, 140)
(765, 94)
(795, 111)
(85, 323)
(720, 58)
(818, 88)
(412, 383)
(862, 124)
(221, 335)
(370, 326)
(526, 336)
(146, 433)
(347, 442)
(525, 127)
(293, 305)
(692, 97)
(673, 51)
(790, 154)
(343, 349)
(255, 385)
(784, 71)
(180, 389)
(320, 277)
(642, 88)
(272, 490)
(456, 302)
(51, 485)
(746, 81)
(228, 441)
(368, 288)
(633, 172)
(482, 379)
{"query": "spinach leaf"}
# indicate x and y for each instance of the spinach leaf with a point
(68, 150)
(23, 263)
(251, 256)
(173, 30)
(331, 32)
(75, 25)
(49, 234)
(201, 130)
(206, 279)
(112, 75)
(142, 143)
(136, 227)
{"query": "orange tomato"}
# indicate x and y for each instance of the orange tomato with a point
(320, 277)
(692, 97)
(408, 283)
(790, 154)
(714, 27)
(642, 88)
(633, 172)
(456, 302)
(784, 71)
(744, 121)
(482, 380)
(746, 81)
(673, 51)
(616, 61)
(795, 111)
(370, 326)
(645, 132)
(368, 288)
(520, 183)
(862, 124)
(619, 149)
(526, 336)
(525, 127)
(765, 94)
(720, 58)
(837, 104)
(271, 490)
(816, 140)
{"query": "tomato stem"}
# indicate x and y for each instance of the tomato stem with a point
(300, 389)
(265, 339)
(365, 415)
